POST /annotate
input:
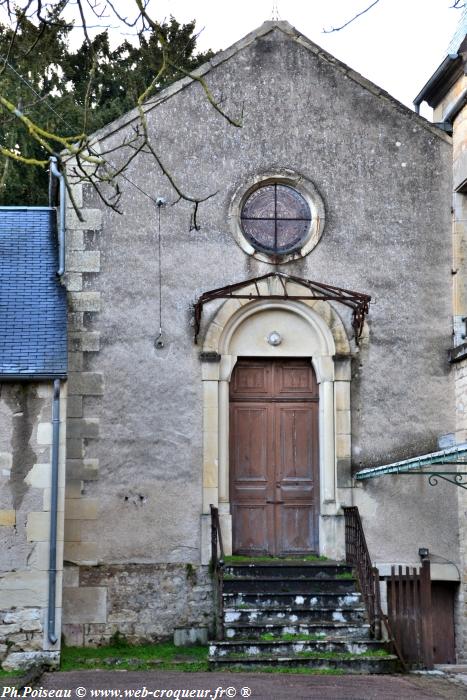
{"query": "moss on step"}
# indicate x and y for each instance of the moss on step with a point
(239, 559)
(290, 637)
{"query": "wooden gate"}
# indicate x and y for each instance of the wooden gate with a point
(274, 469)
(410, 613)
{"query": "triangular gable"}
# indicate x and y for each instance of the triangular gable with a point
(223, 56)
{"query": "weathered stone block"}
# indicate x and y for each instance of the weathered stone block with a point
(84, 605)
(7, 518)
(39, 476)
(73, 488)
(84, 301)
(7, 630)
(83, 261)
(189, 636)
(22, 616)
(81, 509)
(74, 448)
(44, 433)
(84, 469)
(77, 188)
(74, 241)
(23, 589)
(73, 635)
(85, 383)
(343, 422)
(75, 404)
(72, 532)
(75, 321)
(80, 552)
(38, 526)
(92, 219)
(82, 428)
(22, 661)
(71, 577)
(74, 282)
(84, 341)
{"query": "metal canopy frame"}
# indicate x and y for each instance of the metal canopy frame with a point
(357, 301)
(453, 456)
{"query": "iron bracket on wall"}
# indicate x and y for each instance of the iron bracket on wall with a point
(456, 478)
(357, 301)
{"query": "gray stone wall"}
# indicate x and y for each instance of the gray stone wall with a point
(142, 602)
(384, 176)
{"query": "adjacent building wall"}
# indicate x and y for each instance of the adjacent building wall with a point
(459, 306)
(25, 489)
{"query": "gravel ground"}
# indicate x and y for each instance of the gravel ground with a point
(84, 684)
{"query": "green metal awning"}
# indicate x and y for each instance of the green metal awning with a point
(453, 456)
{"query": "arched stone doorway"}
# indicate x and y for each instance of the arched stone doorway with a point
(309, 329)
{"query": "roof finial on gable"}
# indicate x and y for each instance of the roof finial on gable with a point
(275, 12)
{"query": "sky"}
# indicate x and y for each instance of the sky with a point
(397, 44)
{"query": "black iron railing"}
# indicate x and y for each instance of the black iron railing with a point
(217, 568)
(357, 555)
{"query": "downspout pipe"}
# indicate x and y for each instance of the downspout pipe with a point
(61, 231)
(51, 633)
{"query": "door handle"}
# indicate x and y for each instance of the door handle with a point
(274, 502)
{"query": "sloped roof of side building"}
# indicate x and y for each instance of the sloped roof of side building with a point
(33, 306)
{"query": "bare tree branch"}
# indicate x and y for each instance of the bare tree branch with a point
(78, 158)
(352, 19)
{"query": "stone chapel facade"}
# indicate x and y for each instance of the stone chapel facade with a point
(330, 184)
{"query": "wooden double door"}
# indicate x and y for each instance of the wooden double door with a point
(274, 457)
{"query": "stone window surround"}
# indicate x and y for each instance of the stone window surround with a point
(330, 358)
(284, 176)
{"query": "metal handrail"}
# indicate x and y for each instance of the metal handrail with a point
(358, 556)
(217, 567)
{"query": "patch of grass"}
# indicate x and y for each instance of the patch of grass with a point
(9, 674)
(239, 559)
(283, 669)
(164, 656)
(344, 575)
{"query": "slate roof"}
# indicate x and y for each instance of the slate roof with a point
(33, 306)
(459, 34)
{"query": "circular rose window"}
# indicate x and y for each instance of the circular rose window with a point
(275, 219)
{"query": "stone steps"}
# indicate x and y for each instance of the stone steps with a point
(319, 629)
(363, 665)
(299, 586)
(296, 614)
(288, 570)
(305, 600)
(279, 647)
